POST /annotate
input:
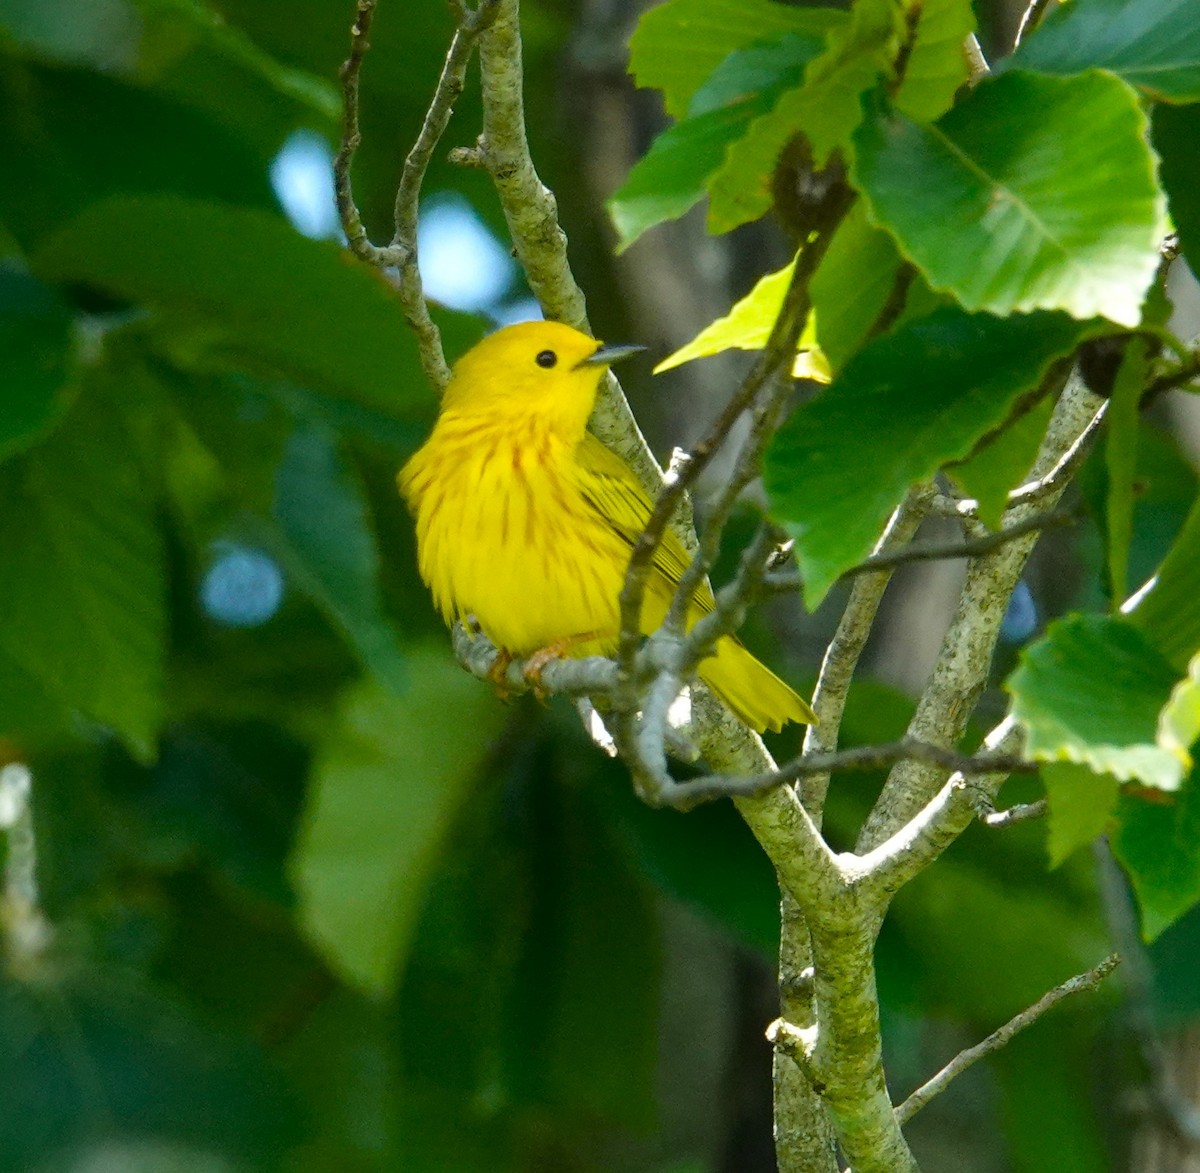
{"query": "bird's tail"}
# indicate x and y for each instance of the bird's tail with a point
(754, 693)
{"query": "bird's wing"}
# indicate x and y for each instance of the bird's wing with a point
(609, 486)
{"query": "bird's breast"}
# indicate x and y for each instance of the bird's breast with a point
(505, 535)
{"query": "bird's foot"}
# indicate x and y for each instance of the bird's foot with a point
(497, 674)
(536, 662)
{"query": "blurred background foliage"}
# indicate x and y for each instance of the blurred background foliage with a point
(308, 896)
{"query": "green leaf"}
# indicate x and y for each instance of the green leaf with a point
(1179, 722)
(1152, 44)
(852, 284)
(762, 65)
(855, 56)
(83, 587)
(82, 137)
(1168, 611)
(248, 286)
(1158, 844)
(387, 782)
(182, 48)
(1081, 806)
(1175, 130)
(587, 1010)
(997, 468)
(937, 66)
(828, 106)
(679, 44)
(747, 327)
(902, 407)
(1001, 201)
(1120, 462)
(1090, 691)
(37, 357)
(330, 546)
(671, 177)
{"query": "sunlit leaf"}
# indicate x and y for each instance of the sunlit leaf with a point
(671, 177)
(678, 44)
(1152, 44)
(747, 327)
(1179, 722)
(1081, 806)
(1009, 220)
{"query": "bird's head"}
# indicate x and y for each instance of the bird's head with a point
(533, 367)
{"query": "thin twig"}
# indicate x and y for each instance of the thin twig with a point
(961, 670)
(970, 548)
(770, 370)
(1031, 19)
(401, 254)
(940, 551)
(844, 650)
(1064, 468)
(471, 24)
(1021, 813)
(1178, 376)
(780, 347)
(1079, 984)
(352, 225)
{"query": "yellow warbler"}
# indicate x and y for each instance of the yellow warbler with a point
(525, 520)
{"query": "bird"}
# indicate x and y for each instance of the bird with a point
(525, 520)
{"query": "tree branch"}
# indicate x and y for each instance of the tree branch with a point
(940, 551)
(844, 650)
(1021, 813)
(1079, 984)
(402, 252)
(961, 670)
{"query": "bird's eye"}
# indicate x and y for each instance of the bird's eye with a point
(546, 358)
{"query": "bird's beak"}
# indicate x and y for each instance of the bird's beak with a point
(607, 355)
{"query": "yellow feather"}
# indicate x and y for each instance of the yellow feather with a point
(525, 520)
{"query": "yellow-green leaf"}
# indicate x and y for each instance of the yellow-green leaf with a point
(748, 326)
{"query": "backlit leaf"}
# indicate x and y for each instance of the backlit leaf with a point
(1081, 806)
(747, 327)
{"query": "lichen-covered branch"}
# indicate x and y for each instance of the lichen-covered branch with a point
(844, 650)
(961, 671)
